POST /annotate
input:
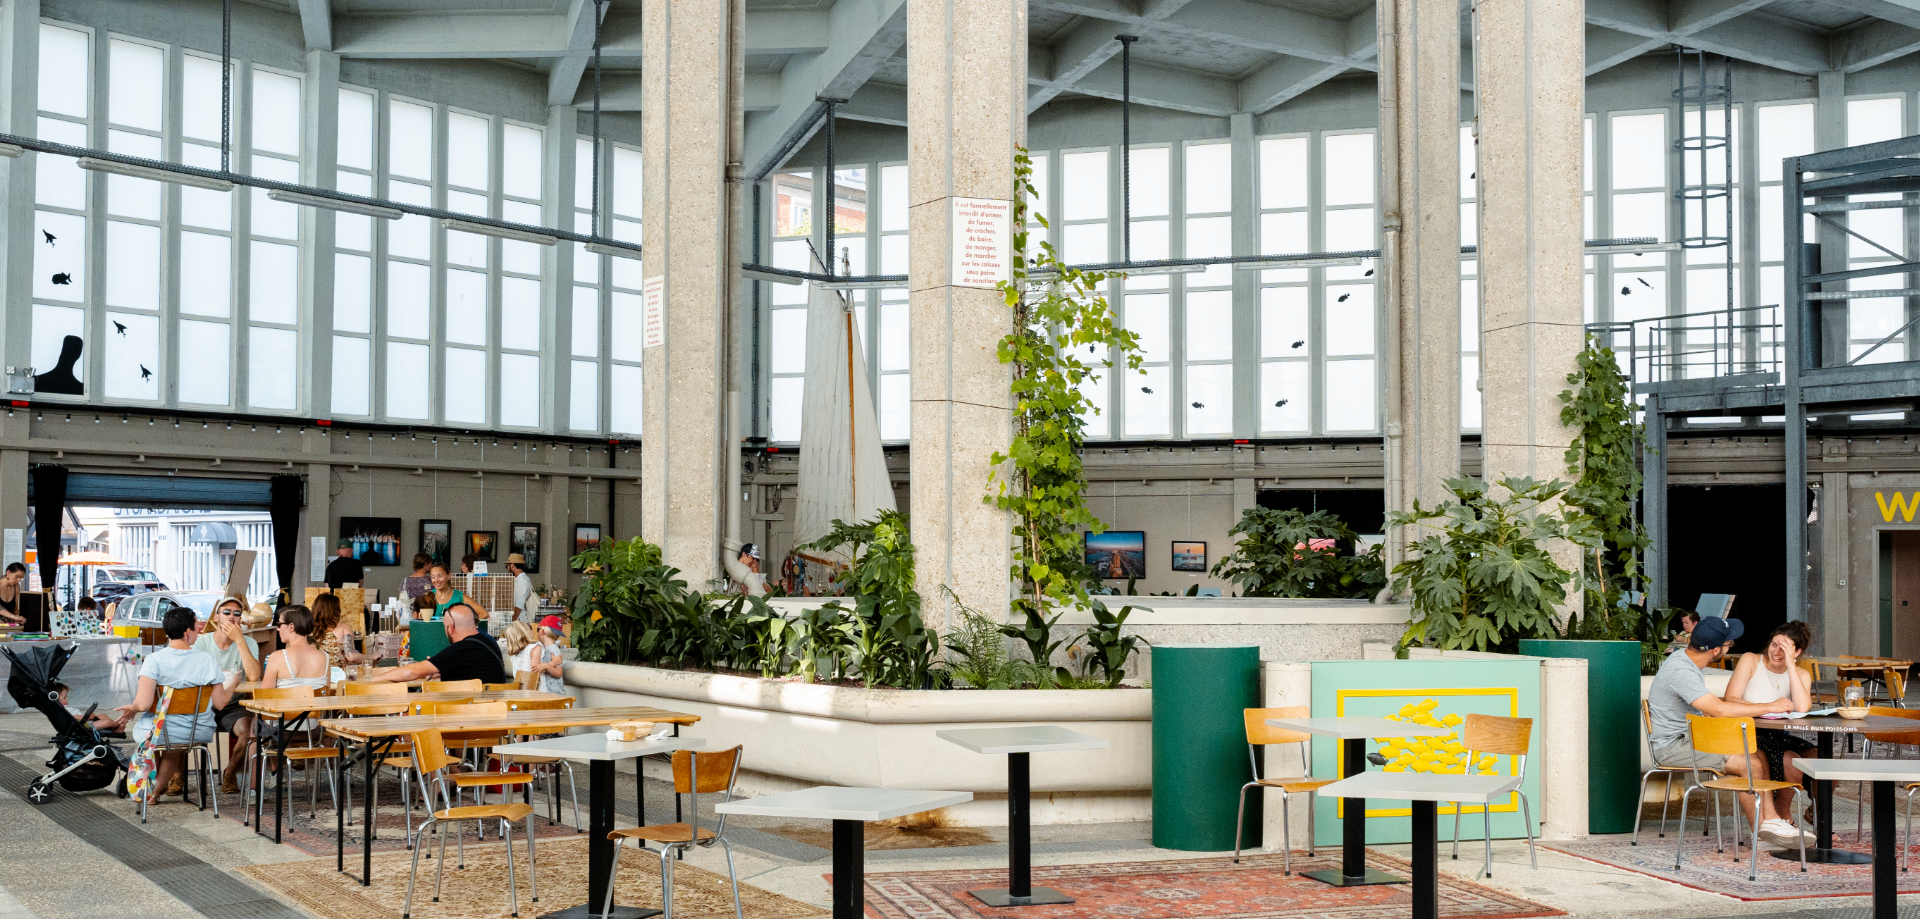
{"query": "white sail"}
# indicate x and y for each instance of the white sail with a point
(843, 474)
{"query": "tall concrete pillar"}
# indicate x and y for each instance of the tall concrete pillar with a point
(1420, 224)
(691, 49)
(966, 112)
(19, 112)
(319, 168)
(1530, 99)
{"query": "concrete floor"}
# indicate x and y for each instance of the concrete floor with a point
(49, 872)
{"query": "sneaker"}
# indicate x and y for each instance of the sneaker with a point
(1780, 833)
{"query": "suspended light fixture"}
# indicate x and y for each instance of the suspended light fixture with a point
(335, 204)
(149, 172)
(759, 275)
(1268, 264)
(632, 252)
(11, 151)
(484, 229)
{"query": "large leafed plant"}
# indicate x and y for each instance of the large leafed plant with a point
(1285, 552)
(1606, 474)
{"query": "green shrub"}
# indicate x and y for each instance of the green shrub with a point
(1292, 553)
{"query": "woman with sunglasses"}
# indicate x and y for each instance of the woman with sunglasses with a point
(226, 639)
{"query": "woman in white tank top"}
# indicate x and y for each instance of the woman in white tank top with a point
(1776, 674)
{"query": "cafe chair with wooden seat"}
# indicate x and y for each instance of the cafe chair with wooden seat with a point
(553, 764)
(184, 709)
(1646, 721)
(1895, 739)
(304, 753)
(1261, 734)
(1497, 736)
(694, 774)
(1734, 737)
(453, 686)
(502, 687)
(432, 759)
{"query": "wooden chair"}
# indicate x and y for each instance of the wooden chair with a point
(694, 774)
(1896, 738)
(299, 754)
(1500, 737)
(1646, 721)
(1896, 685)
(187, 705)
(1262, 734)
(529, 680)
(502, 687)
(553, 763)
(432, 759)
(1734, 737)
(452, 686)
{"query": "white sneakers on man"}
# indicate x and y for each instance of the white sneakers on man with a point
(1780, 833)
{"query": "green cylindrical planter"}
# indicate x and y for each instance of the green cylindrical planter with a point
(1613, 726)
(1200, 745)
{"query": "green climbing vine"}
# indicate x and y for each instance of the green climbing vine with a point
(1606, 476)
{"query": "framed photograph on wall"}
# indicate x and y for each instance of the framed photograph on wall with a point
(375, 540)
(524, 538)
(586, 538)
(1117, 554)
(436, 539)
(1189, 555)
(483, 545)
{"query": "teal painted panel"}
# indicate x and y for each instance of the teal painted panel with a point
(1613, 727)
(1445, 692)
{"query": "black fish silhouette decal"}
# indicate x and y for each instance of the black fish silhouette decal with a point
(63, 278)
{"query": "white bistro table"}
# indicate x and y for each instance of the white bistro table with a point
(1884, 774)
(1017, 743)
(1425, 789)
(600, 754)
(850, 809)
(1353, 733)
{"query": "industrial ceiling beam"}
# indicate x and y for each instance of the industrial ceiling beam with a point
(1285, 78)
(316, 24)
(865, 34)
(485, 35)
(1165, 87)
(564, 80)
(1088, 46)
(1859, 49)
(875, 103)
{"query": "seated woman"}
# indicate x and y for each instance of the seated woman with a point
(444, 595)
(1776, 675)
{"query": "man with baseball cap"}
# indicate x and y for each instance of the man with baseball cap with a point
(1680, 689)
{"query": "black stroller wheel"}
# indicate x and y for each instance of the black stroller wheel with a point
(37, 792)
(120, 787)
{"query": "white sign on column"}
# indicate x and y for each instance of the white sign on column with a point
(982, 242)
(653, 330)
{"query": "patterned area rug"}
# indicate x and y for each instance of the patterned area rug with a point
(1705, 869)
(1206, 888)
(480, 891)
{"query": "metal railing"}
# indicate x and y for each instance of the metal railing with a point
(1693, 346)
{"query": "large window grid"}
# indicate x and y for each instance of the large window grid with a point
(1207, 301)
(1782, 129)
(354, 255)
(1286, 322)
(136, 121)
(1638, 202)
(1470, 401)
(63, 199)
(273, 267)
(1145, 303)
(625, 340)
(1349, 332)
(893, 345)
(792, 227)
(583, 368)
(1871, 119)
(410, 146)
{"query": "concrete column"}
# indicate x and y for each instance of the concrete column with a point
(320, 165)
(690, 49)
(1530, 103)
(966, 112)
(556, 368)
(1285, 683)
(1830, 133)
(1563, 748)
(1420, 222)
(19, 108)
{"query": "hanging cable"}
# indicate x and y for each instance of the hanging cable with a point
(226, 85)
(595, 214)
(1126, 146)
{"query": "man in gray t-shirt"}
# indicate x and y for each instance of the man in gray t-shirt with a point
(1680, 689)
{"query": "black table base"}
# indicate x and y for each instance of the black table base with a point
(1353, 870)
(849, 869)
(600, 813)
(1822, 851)
(1020, 890)
(1426, 861)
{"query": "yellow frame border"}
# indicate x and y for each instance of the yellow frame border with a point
(1340, 748)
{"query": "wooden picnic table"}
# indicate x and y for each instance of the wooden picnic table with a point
(377, 735)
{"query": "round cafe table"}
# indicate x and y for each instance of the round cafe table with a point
(1826, 728)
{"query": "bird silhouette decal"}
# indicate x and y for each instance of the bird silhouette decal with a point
(1368, 274)
(62, 278)
(1199, 405)
(117, 327)
(50, 237)
(1343, 298)
(1643, 283)
(145, 374)
(1626, 291)
(1280, 403)
(1147, 389)
(1299, 343)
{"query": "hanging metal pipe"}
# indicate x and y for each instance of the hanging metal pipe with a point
(833, 191)
(1126, 146)
(1389, 266)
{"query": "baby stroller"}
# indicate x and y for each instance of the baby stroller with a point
(82, 759)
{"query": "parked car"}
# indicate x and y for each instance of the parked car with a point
(105, 592)
(149, 610)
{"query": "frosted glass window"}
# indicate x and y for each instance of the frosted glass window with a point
(466, 249)
(896, 344)
(515, 256)
(1283, 172)
(1470, 409)
(200, 99)
(1469, 163)
(583, 406)
(586, 265)
(1707, 289)
(133, 356)
(625, 327)
(893, 197)
(1283, 322)
(586, 322)
(1210, 325)
(1772, 234)
(354, 143)
(625, 409)
(466, 386)
(1098, 392)
(1871, 121)
(273, 363)
(467, 152)
(206, 363)
(1084, 185)
(1209, 178)
(466, 308)
(407, 380)
(59, 271)
(1041, 204)
(1146, 317)
(1284, 234)
(1148, 181)
(1150, 243)
(409, 139)
(353, 231)
(1349, 230)
(1209, 399)
(461, 202)
(206, 275)
(896, 407)
(276, 113)
(273, 284)
(52, 326)
(520, 390)
(135, 87)
(352, 294)
(1716, 126)
(1886, 227)
(520, 166)
(790, 254)
(1209, 237)
(1349, 169)
(1283, 396)
(1350, 319)
(629, 273)
(409, 294)
(410, 236)
(277, 219)
(789, 326)
(1639, 151)
(58, 182)
(520, 314)
(1084, 243)
(1147, 400)
(130, 197)
(627, 187)
(351, 371)
(1785, 130)
(894, 254)
(134, 252)
(1469, 223)
(783, 410)
(1640, 215)
(1350, 395)
(583, 178)
(202, 207)
(64, 70)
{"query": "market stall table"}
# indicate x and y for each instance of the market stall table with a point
(1425, 790)
(850, 809)
(600, 754)
(1353, 733)
(1018, 743)
(1883, 773)
(377, 736)
(1826, 726)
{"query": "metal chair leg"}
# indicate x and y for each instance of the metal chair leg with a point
(1486, 830)
(440, 867)
(613, 874)
(533, 872)
(666, 881)
(1286, 835)
(406, 912)
(1664, 804)
(1526, 810)
(1456, 831)
(1645, 779)
(1239, 820)
(513, 890)
(738, 913)
(1681, 837)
